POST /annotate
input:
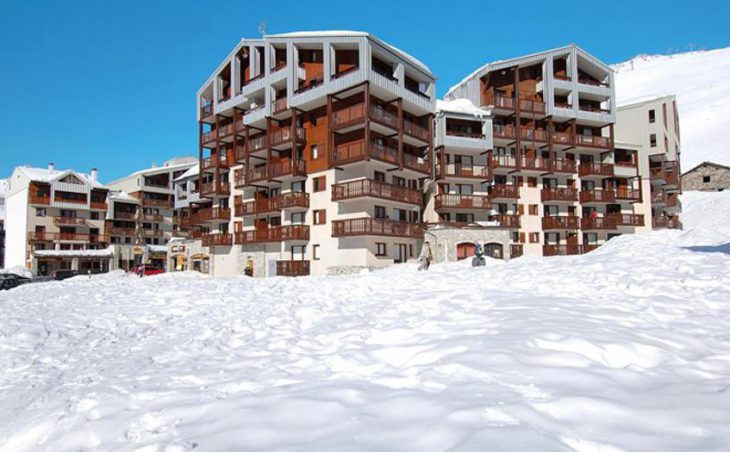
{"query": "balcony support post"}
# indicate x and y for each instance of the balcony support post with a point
(429, 156)
(247, 151)
(294, 141)
(268, 149)
(330, 141)
(399, 103)
(367, 122)
(518, 118)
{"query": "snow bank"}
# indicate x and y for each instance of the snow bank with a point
(625, 348)
(701, 97)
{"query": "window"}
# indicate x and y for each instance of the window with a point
(315, 152)
(706, 179)
(319, 183)
(465, 218)
(652, 116)
(534, 237)
(380, 212)
(379, 176)
(652, 140)
(297, 187)
(94, 215)
(320, 216)
(297, 252)
(40, 212)
(380, 249)
(532, 181)
(315, 252)
(533, 209)
(297, 218)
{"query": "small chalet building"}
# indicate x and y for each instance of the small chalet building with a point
(707, 176)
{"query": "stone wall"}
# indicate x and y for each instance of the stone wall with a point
(445, 240)
(719, 178)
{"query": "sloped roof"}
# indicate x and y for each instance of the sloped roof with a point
(713, 164)
(47, 175)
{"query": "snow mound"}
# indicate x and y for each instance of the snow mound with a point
(624, 348)
(702, 93)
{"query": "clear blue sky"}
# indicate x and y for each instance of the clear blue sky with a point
(112, 83)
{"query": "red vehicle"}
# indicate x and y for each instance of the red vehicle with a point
(148, 270)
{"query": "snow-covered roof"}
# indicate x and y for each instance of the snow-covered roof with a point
(74, 253)
(191, 172)
(170, 165)
(461, 106)
(629, 103)
(48, 175)
(157, 248)
(119, 195)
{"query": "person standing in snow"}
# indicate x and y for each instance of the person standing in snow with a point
(426, 257)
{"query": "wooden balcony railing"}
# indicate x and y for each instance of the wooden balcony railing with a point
(662, 222)
(504, 191)
(508, 220)
(211, 189)
(75, 221)
(528, 134)
(279, 105)
(562, 138)
(626, 219)
(155, 218)
(592, 141)
(285, 136)
(461, 170)
(562, 250)
(292, 268)
(415, 130)
(458, 201)
(211, 214)
(504, 131)
(375, 189)
(217, 239)
(503, 162)
(532, 106)
(606, 222)
(153, 202)
(461, 134)
(215, 161)
(564, 222)
(597, 196)
(119, 215)
(273, 234)
(118, 231)
(66, 237)
(595, 169)
(375, 226)
(206, 110)
(152, 233)
(42, 200)
(283, 201)
(563, 166)
(288, 167)
(628, 194)
(559, 194)
(534, 164)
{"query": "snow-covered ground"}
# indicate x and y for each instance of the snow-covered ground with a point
(626, 348)
(698, 80)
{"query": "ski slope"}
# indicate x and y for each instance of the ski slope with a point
(703, 97)
(625, 348)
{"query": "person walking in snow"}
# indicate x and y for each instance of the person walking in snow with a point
(426, 257)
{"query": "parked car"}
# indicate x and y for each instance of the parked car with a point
(148, 270)
(9, 281)
(60, 275)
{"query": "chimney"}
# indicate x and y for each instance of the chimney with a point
(94, 174)
(51, 167)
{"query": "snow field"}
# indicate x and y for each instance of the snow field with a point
(625, 348)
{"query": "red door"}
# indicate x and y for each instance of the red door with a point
(465, 250)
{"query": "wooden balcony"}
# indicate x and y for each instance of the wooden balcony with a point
(291, 200)
(667, 173)
(284, 135)
(211, 214)
(153, 202)
(279, 105)
(66, 237)
(355, 114)
(206, 110)
(662, 222)
(628, 194)
(281, 168)
(98, 205)
(563, 166)
(507, 220)
(502, 162)
(458, 201)
(592, 141)
(214, 162)
(375, 226)
(69, 221)
(516, 251)
(152, 218)
(298, 232)
(595, 170)
(504, 131)
(367, 188)
(564, 250)
(119, 215)
(598, 223)
(559, 195)
(416, 130)
(626, 219)
(41, 200)
(217, 239)
(118, 231)
(539, 164)
(564, 222)
(529, 134)
(463, 171)
(503, 191)
(355, 152)
(213, 189)
(153, 233)
(597, 196)
(292, 268)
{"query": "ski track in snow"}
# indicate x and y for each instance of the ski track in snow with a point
(626, 348)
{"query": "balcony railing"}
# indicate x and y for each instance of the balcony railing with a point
(119, 215)
(564, 250)
(283, 201)
(606, 222)
(153, 202)
(75, 221)
(461, 134)
(217, 239)
(215, 161)
(156, 218)
(502, 162)
(279, 105)
(462, 170)
(211, 214)
(592, 141)
(533, 106)
(534, 164)
(628, 194)
(595, 169)
(556, 222)
(504, 131)
(415, 130)
(43, 200)
(559, 194)
(597, 196)
(285, 136)
(626, 219)
(66, 237)
(562, 166)
(152, 233)
(504, 191)
(459, 201)
(590, 81)
(375, 189)
(292, 268)
(211, 188)
(662, 222)
(508, 220)
(375, 226)
(127, 232)
(206, 110)
(273, 234)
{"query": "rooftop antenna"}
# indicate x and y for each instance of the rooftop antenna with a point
(262, 28)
